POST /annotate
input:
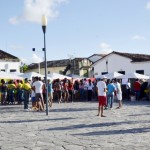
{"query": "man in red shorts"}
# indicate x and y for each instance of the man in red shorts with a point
(101, 90)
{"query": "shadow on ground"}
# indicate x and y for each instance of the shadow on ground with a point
(81, 126)
(112, 132)
(72, 109)
(36, 120)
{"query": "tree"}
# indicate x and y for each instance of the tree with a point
(23, 68)
(66, 69)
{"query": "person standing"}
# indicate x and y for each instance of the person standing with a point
(50, 93)
(34, 106)
(90, 89)
(11, 90)
(110, 94)
(38, 88)
(128, 89)
(3, 89)
(118, 92)
(70, 90)
(76, 89)
(81, 89)
(101, 90)
(26, 92)
(19, 92)
(137, 87)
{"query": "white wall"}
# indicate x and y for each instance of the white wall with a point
(7, 66)
(120, 63)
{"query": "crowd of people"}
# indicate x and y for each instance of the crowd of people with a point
(18, 92)
(108, 89)
(66, 90)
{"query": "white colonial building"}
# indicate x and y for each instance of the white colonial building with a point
(9, 63)
(123, 63)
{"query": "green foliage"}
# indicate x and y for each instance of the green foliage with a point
(23, 68)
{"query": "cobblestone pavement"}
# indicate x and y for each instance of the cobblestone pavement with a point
(75, 126)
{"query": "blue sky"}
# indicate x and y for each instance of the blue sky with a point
(76, 28)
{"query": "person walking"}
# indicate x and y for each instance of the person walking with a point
(101, 90)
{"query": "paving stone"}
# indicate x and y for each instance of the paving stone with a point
(75, 126)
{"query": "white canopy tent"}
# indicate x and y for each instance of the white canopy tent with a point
(6, 75)
(113, 75)
(57, 76)
(101, 76)
(29, 75)
(134, 76)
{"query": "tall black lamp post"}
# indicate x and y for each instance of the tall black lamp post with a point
(44, 24)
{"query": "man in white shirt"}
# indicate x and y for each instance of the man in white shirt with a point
(119, 92)
(38, 88)
(101, 90)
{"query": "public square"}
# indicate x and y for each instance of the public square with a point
(75, 126)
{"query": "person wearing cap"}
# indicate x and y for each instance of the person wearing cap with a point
(101, 90)
(26, 90)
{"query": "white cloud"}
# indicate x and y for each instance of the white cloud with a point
(34, 9)
(104, 45)
(138, 37)
(106, 51)
(148, 5)
(105, 48)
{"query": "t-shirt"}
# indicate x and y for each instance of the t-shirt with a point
(26, 86)
(38, 86)
(90, 87)
(85, 85)
(110, 88)
(137, 86)
(128, 85)
(50, 89)
(11, 86)
(118, 88)
(19, 86)
(101, 85)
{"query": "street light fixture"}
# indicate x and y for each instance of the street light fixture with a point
(37, 60)
(107, 66)
(44, 24)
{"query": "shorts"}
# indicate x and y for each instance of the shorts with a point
(33, 99)
(102, 100)
(38, 97)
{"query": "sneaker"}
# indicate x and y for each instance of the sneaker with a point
(105, 108)
(26, 110)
